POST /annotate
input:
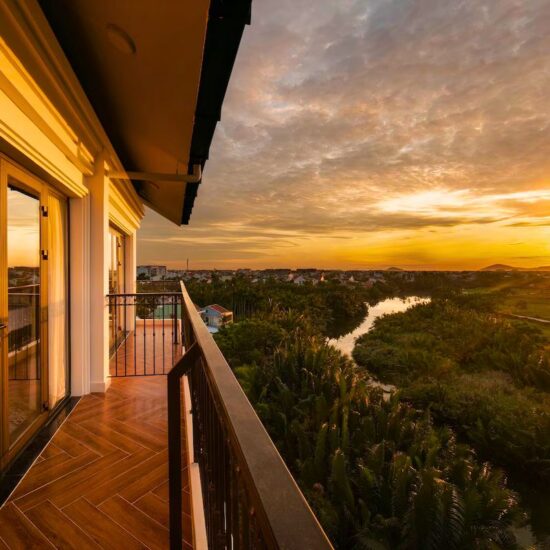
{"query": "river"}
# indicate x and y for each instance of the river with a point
(388, 306)
(346, 342)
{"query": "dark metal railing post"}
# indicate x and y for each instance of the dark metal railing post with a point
(125, 337)
(175, 320)
(174, 460)
(184, 365)
(163, 337)
(135, 301)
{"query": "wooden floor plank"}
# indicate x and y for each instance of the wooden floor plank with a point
(17, 531)
(153, 441)
(145, 529)
(94, 442)
(51, 450)
(121, 441)
(59, 530)
(45, 472)
(95, 472)
(98, 494)
(160, 424)
(47, 464)
(101, 412)
(26, 500)
(68, 444)
(120, 470)
(145, 483)
(107, 533)
(162, 491)
(143, 411)
(154, 507)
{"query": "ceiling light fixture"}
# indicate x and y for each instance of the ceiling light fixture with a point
(120, 39)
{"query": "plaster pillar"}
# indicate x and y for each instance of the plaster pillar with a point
(99, 277)
(79, 274)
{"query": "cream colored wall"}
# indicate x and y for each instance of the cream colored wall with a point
(30, 123)
(48, 126)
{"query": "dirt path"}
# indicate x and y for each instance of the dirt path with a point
(527, 318)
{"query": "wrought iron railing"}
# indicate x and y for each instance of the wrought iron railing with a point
(250, 498)
(145, 333)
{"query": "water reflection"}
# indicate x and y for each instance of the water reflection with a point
(346, 342)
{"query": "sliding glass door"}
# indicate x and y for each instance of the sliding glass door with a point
(24, 323)
(33, 305)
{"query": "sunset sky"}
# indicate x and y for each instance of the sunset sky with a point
(373, 133)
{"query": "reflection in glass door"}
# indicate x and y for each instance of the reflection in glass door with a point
(23, 327)
(116, 286)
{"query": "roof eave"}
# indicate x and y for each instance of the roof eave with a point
(223, 36)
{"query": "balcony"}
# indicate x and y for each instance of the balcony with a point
(172, 455)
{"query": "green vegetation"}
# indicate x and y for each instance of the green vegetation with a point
(421, 469)
(328, 305)
(452, 336)
(485, 376)
(379, 474)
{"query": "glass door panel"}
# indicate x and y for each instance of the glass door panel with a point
(58, 360)
(24, 328)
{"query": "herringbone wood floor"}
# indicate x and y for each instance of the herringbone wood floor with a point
(102, 482)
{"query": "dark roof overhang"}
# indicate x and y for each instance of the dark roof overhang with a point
(226, 23)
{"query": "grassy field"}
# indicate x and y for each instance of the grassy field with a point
(527, 303)
(527, 296)
(531, 299)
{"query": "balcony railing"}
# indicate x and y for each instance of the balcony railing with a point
(145, 333)
(250, 498)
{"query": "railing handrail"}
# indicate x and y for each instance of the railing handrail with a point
(277, 499)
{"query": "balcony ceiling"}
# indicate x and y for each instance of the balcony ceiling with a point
(139, 63)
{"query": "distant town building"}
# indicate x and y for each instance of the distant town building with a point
(151, 272)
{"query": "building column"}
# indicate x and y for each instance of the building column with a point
(79, 273)
(99, 277)
(130, 263)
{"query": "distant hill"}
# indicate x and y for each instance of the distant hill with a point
(504, 267)
(394, 269)
(499, 267)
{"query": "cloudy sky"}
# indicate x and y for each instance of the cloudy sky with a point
(370, 133)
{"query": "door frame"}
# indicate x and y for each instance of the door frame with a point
(10, 172)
